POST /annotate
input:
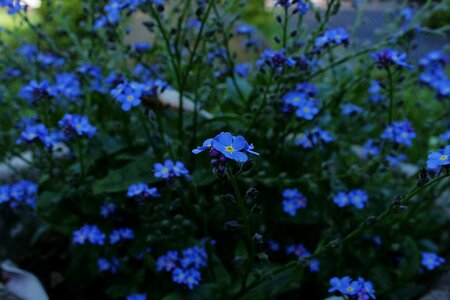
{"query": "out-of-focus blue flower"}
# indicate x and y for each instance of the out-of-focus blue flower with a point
(307, 88)
(189, 277)
(314, 265)
(371, 148)
(108, 265)
(305, 107)
(142, 191)
(332, 37)
(243, 69)
(121, 234)
(375, 92)
(245, 29)
(400, 132)
(298, 250)
(195, 256)
(358, 198)
(341, 199)
(94, 76)
(89, 234)
(13, 6)
(67, 86)
(293, 201)
(395, 160)
(276, 60)
(434, 74)
(314, 137)
(350, 109)
(433, 58)
(137, 297)
(142, 47)
(11, 73)
(4, 193)
(431, 260)
(75, 125)
(362, 288)
(107, 208)
(49, 60)
(388, 57)
(23, 192)
(167, 262)
(35, 92)
(28, 51)
(445, 137)
(439, 158)
(273, 245)
(170, 169)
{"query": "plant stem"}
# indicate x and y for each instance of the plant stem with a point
(391, 96)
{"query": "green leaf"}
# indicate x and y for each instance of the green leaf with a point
(280, 283)
(410, 264)
(120, 179)
(244, 87)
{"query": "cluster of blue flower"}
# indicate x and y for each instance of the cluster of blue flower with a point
(349, 109)
(332, 37)
(22, 192)
(300, 6)
(434, 75)
(249, 42)
(142, 191)
(185, 269)
(170, 169)
(360, 289)
(225, 147)
(313, 137)
(89, 234)
(71, 126)
(137, 297)
(107, 208)
(389, 57)
(400, 132)
(129, 94)
(275, 60)
(13, 6)
(301, 100)
(121, 234)
(358, 198)
(431, 260)
(111, 265)
(375, 95)
(293, 201)
(301, 252)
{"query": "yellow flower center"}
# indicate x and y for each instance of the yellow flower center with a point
(357, 199)
(306, 109)
(79, 126)
(296, 99)
(443, 157)
(165, 170)
(31, 135)
(350, 289)
(175, 168)
(130, 98)
(229, 149)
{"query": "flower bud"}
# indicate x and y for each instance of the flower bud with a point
(252, 193)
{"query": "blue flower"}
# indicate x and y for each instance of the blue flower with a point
(445, 137)
(4, 193)
(366, 291)
(439, 158)
(374, 92)
(73, 125)
(35, 91)
(273, 245)
(141, 47)
(13, 6)
(314, 265)
(276, 60)
(107, 208)
(341, 199)
(33, 133)
(89, 233)
(389, 57)
(49, 60)
(121, 235)
(332, 37)
(245, 29)
(170, 169)
(231, 147)
(67, 86)
(400, 132)
(307, 109)
(142, 191)
(137, 297)
(195, 256)
(298, 250)
(128, 94)
(243, 69)
(395, 160)
(167, 262)
(350, 109)
(371, 149)
(346, 286)
(316, 136)
(23, 192)
(431, 260)
(293, 201)
(106, 265)
(190, 277)
(358, 198)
